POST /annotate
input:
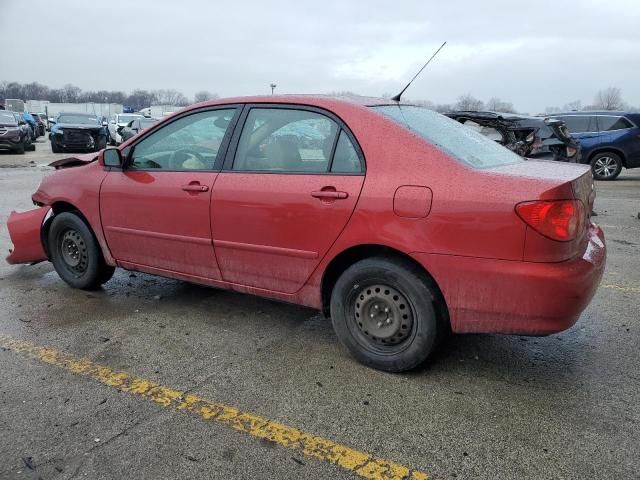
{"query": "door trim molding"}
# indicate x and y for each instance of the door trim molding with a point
(252, 247)
(159, 235)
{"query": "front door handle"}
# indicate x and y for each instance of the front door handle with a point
(195, 187)
(323, 194)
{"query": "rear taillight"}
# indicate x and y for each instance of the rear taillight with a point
(559, 220)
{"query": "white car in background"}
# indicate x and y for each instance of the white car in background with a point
(119, 120)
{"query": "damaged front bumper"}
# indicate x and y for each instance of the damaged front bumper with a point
(25, 230)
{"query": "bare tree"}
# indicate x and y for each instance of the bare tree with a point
(496, 105)
(469, 102)
(574, 106)
(609, 99)
(204, 95)
(71, 93)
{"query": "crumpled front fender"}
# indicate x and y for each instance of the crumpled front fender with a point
(25, 232)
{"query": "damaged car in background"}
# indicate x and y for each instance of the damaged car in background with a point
(531, 137)
(77, 132)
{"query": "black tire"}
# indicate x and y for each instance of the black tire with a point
(100, 144)
(606, 166)
(55, 148)
(384, 311)
(20, 149)
(75, 253)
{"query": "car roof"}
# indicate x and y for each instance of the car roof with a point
(488, 114)
(592, 112)
(318, 100)
(84, 114)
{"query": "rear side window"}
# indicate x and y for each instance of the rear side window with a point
(345, 159)
(285, 140)
(606, 124)
(580, 123)
(459, 141)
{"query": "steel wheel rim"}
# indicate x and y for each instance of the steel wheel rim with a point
(73, 252)
(605, 166)
(382, 318)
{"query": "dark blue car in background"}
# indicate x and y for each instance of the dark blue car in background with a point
(609, 140)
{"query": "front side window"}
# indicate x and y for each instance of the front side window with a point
(285, 140)
(188, 143)
(606, 123)
(456, 139)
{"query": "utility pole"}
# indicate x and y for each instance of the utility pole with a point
(273, 87)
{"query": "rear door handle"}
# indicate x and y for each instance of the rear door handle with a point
(195, 187)
(329, 194)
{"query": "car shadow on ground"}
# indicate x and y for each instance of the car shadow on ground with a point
(514, 359)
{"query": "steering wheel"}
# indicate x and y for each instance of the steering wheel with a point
(186, 158)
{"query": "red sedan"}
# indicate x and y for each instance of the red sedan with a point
(399, 222)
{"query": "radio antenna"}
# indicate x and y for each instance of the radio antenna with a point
(397, 97)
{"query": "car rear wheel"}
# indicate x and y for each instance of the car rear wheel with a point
(20, 149)
(75, 253)
(383, 311)
(606, 166)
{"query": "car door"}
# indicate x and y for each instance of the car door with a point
(623, 135)
(291, 180)
(584, 128)
(156, 210)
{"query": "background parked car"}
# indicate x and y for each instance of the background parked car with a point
(119, 120)
(77, 131)
(26, 131)
(135, 126)
(40, 124)
(12, 136)
(609, 140)
(32, 124)
(531, 137)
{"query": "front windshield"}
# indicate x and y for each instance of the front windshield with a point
(127, 118)
(78, 119)
(463, 143)
(7, 117)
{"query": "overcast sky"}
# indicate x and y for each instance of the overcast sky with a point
(534, 54)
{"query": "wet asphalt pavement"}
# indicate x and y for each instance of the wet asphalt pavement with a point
(564, 406)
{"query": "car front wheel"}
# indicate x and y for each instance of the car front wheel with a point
(383, 310)
(75, 253)
(606, 166)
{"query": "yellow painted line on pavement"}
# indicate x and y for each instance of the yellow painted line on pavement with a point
(360, 463)
(621, 288)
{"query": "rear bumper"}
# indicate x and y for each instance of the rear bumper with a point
(25, 232)
(498, 296)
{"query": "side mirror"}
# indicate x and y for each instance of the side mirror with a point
(22, 122)
(112, 157)
(52, 121)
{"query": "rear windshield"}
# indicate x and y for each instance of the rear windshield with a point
(463, 143)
